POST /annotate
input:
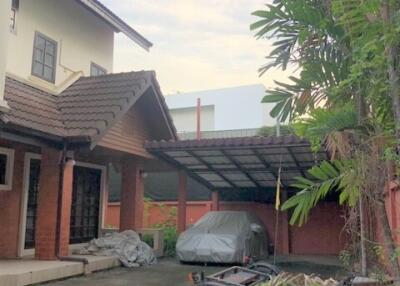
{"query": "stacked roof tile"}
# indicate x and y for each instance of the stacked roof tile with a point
(87, 108)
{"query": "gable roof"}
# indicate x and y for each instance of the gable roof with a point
(116, 22)
(83, 112)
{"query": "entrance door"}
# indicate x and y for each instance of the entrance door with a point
(85, 204)
(33, 183)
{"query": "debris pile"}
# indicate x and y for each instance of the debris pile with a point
(126, 245)
(290, 279)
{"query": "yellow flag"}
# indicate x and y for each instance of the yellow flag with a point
(278, 191)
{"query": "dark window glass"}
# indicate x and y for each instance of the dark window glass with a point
(163, 186)
(96, 70)
(15, 4)
(34, 172)
(114, 184)
(3, 169)
(84, 221)
(44, 58)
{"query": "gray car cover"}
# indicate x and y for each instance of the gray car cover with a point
(223, 237)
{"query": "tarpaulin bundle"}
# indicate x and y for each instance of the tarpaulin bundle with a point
(126, 245)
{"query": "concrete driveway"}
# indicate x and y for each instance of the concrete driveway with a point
(165, 272)
(170, 272)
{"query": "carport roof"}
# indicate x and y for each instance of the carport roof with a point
(240, 163)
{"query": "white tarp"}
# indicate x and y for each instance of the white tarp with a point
(126, 245)
(223, 237)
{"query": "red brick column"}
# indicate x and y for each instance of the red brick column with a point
(46, 220)
(182, 199)
(132, 195)
(66, 208)
(215, 201)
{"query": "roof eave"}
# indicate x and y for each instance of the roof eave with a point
(117, 23)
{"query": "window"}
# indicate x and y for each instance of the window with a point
(114, 183)
(6, 168)
(13, 16)
(44, 58)
(13, 19)
(96, 70)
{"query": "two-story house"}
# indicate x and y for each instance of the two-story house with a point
(64, 119)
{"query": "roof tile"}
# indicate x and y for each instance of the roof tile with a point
(86, 108)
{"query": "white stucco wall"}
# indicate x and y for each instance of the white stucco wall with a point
(81, 38)
(234, 108)
(5, 6)
(185, 119)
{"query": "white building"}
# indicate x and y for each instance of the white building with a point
(50, 44)
(221, 109)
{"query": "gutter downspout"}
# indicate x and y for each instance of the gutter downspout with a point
(83, 260)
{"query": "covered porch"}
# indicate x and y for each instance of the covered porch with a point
(232, 167)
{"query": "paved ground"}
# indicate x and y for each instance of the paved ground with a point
(169, 272)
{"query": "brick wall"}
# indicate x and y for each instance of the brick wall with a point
(320, 236)
(10, 202)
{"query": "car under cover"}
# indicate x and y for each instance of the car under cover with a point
(223, 237)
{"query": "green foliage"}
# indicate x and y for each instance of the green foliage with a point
(345, 258)
(148, 239)
(169, 229)
(322, 122)
(304, 35)
(170, 238)
(338, 175)
(346, 97)
(271, 130)
(340, 49)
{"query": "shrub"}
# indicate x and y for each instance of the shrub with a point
(169, 228)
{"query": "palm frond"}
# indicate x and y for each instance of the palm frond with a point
(327, 177)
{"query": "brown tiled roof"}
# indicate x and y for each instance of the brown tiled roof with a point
(86, 109)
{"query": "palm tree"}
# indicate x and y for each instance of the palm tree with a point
(348, 87)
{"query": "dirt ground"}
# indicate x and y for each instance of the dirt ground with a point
(169, 272)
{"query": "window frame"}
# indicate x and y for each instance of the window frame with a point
(13, 20)
(10, 154)
(47, 39)
(98, 67)
(13, 17)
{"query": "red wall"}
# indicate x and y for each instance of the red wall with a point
(10, 202)
(321, 235)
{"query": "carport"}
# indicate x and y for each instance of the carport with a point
(233, 164)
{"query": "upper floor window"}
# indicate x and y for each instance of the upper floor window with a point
(44, 58)
(13, 16)
(96, 70)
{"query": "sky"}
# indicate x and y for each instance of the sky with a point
(198, 44)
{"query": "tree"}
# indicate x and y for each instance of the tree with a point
(348, 56)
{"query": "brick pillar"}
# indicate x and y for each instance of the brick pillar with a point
(66, 208)
(46, 216)
(132, 203)
(182, 199)
(215, 201)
